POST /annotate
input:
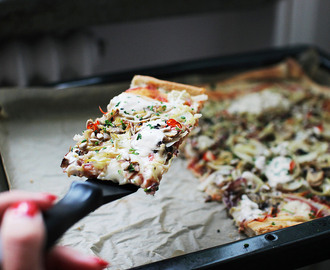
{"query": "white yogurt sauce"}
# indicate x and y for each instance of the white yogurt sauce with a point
(257, 103)
(132, 103)
(278, 171)
(246, 210)
(146, 140)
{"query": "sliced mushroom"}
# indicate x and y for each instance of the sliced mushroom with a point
(315, 179)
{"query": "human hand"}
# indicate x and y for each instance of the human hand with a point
(23, 234)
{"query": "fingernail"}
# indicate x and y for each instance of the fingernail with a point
(25, 208)
(50, 196)
(100, 262)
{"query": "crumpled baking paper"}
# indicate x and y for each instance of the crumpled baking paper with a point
(138, 229)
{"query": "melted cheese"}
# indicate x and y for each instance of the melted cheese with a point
(296, 208)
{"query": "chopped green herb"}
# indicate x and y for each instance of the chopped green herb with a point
(182, 117)
(131, 168)
(133, 151)
(246, 245)
(126, 112)
(147, 190)
(273, 223)
(120, 171)
(83, 141)
(288, 211)
(164, 107)
(139, 136)
(118, 157)
(151, 127)
(123, 125)
(109, 123)
(96, 143)
(117, 104)
(311, 215)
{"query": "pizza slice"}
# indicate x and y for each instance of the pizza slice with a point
(137, 137)
(273, 212)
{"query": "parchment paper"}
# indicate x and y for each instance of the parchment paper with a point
(36, 131)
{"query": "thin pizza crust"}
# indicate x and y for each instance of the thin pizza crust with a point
(140, 81)
(243, 83)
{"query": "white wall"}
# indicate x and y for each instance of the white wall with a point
(303, 21)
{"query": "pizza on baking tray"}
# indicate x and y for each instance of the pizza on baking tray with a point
(137, 137)
(262, 148)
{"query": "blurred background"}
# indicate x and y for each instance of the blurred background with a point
(49, 41)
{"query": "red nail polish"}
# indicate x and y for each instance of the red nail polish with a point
(100, 262)
(25, 208)
(50, 196)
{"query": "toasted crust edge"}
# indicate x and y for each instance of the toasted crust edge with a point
(287, 69)
(141, 80)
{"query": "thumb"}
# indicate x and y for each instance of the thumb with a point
(22, 233)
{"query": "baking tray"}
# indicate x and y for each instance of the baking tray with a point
(289, 248)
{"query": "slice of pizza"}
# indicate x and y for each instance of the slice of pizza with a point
(137, 137)
(275, 212)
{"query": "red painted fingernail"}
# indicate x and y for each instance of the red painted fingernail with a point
(50, 196)
(100, 262)
(25, 208)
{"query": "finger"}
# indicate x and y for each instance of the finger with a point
(22, 233)
(67, 258)
(43, 200)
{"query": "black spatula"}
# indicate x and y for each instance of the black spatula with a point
(82, 198)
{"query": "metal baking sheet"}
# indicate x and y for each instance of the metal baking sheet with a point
(206, 238)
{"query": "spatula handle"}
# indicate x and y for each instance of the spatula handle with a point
(81, 199)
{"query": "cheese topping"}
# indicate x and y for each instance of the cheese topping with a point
(258, 103)
(296, 208)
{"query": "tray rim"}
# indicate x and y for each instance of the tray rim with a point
(250, 59)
